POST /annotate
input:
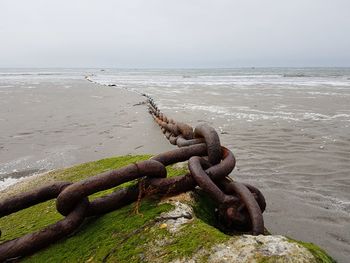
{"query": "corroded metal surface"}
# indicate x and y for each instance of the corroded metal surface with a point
(240, 206)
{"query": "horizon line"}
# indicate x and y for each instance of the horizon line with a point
(164, 68)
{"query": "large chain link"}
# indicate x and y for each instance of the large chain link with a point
(240, 206)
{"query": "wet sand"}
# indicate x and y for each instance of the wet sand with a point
(56, 124)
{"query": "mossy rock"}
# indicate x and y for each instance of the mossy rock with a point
(176, 229)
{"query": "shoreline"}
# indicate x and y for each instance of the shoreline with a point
(56, 124)
(26, 183)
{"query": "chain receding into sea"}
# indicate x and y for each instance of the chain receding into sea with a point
(239, 205)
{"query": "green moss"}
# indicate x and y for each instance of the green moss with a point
(194, 236)
(271, 259)
(85, 170)
(31, 222)
(98, 237)
(204, 208)
(319, 254)
(111, 236)
(122, 235)
(27, 220)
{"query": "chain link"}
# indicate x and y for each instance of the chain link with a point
(240, 206)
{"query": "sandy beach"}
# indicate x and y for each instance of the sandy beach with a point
(286, 143)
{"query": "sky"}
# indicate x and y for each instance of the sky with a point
(174, 34)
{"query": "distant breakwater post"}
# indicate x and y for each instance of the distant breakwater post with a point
(239, 205)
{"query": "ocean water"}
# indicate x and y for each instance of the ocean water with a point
(289, 129)
(262, 112)
(292, 124)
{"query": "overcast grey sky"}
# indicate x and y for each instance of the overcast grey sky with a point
(178, 33)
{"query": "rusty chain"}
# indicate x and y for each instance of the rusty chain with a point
(240, 206)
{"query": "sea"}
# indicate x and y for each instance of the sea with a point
(286, 123)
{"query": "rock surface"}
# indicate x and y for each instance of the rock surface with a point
(253, 248)
(241, 248)
(176, 229)
(176, 218)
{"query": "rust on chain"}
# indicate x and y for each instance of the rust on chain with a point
(240, 206)
(212, 140)
(29, 243)
(256, 221)
(204, 181)
(258, 196)
(28, 199)
(71, 195)
(180, 154)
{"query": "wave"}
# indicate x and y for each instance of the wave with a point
(31, 74)
(249, 114)
(313, 75)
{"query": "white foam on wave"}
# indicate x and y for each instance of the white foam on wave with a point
(250, 114)
(340, 205)
(6, 182)
(54, 157)
(212, 108)
(29, 87)
(176, 81)
(245, 114)
(246, 86)
(323, 117)
(327, 93)
(332, 202)
(13, 165)
(257, 117)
